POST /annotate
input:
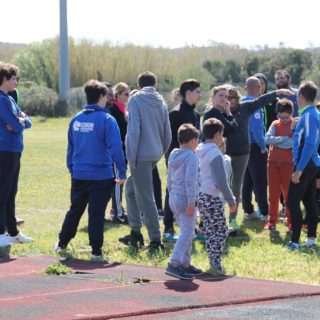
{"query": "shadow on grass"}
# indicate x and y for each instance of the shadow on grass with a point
(108, 224)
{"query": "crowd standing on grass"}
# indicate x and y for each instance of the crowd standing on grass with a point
(265, 143)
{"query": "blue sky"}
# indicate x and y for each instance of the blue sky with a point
(168, 23)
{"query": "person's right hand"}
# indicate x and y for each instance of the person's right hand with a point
(294, 123)
(285, 92)
(120, 181)
(233, 208)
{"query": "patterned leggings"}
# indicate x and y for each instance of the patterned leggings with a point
(215, 226)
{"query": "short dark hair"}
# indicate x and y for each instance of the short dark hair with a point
(282, 72)
(93, 90)
(188, 85)
(308, 90)
(7, 71)
(147, 79)
(284, 105)
(211, 127)
(187, 132)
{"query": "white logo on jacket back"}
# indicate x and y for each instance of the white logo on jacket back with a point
(83, 126)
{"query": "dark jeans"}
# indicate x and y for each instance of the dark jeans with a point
(168, 214)
(9, 176)
(117, 199)
(157, 187)
(255, 179)
(306, 192)
(95, 194)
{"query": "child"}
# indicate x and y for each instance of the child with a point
(182, 182)
(306, 163)
(279, 138)
(213, 185)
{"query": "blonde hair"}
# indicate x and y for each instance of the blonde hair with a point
(119, 88)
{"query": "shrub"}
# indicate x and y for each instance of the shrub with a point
(77, 99)
(38, 101)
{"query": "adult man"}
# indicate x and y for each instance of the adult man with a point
(185, 112)
(94, 145)
(306, 162)
(12, 124)
(282, 79)
(148, 138)
(255, 178)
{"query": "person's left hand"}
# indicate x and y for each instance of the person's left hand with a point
(295, 178)
(9, 128)
(190, 210)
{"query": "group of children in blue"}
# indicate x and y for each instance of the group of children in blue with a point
(197, 177)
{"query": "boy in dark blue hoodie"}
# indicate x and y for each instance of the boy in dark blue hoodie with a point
(94, 144)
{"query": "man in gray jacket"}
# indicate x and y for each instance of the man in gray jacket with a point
(148, 139)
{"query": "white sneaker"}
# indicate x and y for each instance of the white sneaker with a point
(57, 248)
(4, 242)
(19, 238)
(250, 216)
(310, 242)
(98, 258)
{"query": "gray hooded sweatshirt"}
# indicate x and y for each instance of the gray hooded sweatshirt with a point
(182, 178)
(149, 133)
(213, 176)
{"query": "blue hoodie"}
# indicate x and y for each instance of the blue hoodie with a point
(94, 144)
(256, 127)
(11, 140)
(306, 139)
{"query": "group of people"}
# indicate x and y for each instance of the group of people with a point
(248, 144)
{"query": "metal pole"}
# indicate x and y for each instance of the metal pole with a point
(64, 74)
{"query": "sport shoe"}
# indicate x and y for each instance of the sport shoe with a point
(260, 216)
(155, 246)
(293, 246)
(217, 271)
(19, 221)
(193, 270)
(123, 219)
(250, 216)
(178, 272)
(309, 243)
(19, 238)
(5, 246)
(58, 249)
(170, 237)
(98, 258)
(269, 226)
(233, 224)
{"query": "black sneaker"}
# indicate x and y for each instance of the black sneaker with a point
(134, 238)
(155, 246)
(123, 219)
(193, 270)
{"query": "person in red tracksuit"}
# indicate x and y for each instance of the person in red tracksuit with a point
(280, 165)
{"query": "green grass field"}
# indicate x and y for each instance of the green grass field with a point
(43, 199)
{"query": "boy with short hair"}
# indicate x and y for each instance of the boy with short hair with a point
(306, 161)
(182, 180)
(12, 124)
(213, 185)
(94, 145)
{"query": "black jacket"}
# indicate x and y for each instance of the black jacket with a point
(184, 113)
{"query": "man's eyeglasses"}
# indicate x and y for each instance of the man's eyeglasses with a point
(283, 117)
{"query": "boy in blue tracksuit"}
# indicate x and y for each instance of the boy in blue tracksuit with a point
(94, 144)
(306, 162)
(12, 124)
(255, 178)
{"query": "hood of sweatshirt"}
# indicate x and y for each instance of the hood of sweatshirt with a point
(149, 96)
(177, 157)
(204, 148)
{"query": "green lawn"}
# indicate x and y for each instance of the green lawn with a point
(43, 199)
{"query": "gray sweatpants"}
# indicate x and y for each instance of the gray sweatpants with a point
(239, 165)
(181, 254)
(140, 198)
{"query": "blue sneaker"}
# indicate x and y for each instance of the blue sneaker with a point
(170, 237)
(293, 246)
(178, 272)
